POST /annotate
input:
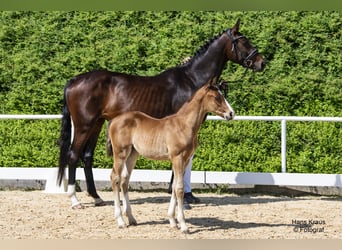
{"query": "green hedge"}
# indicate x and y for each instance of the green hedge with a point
(40, 51)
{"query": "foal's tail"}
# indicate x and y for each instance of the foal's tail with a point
(109, 147)
(64, 140)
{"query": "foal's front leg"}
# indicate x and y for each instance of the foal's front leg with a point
(178, 195)
(172, 209)
(179, 190)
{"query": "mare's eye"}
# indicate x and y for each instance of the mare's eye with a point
(217, 98)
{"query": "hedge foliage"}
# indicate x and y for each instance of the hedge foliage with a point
(40, 51)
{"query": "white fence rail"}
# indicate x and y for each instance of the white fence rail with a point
(283, 120)
(201, 176)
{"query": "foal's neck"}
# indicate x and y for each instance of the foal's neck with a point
(193, 112)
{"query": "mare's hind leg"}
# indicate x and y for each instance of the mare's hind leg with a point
(73, 158)
(125, 176)
(88, 159)
(75, 203)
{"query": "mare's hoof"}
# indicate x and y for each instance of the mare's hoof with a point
(99, 203)
(133, 223)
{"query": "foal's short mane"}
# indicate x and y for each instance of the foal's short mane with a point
(206, 88)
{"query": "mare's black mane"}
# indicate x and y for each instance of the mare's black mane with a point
(200, 51)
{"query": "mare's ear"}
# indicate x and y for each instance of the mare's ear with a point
(236, 27)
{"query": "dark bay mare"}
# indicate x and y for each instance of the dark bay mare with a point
(96, 96)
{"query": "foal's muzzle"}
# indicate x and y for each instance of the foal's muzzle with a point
(229, 116)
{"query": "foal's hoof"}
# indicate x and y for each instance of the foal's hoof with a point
(77, 206)
(122, 226)
(173, 223)
(185, 231)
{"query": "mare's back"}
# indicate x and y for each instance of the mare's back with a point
(114, 93)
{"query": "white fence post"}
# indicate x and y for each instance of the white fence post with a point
(283, 146)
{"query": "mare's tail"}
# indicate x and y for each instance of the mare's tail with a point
(109, 147)
(64, 140)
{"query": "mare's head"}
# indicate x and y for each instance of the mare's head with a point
(215, 102)
(240, 51)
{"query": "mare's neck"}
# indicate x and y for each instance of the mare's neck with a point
(210, 63)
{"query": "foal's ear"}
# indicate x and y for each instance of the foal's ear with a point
(210, 84)
(236, 27)
(213, 82)
(223, 86)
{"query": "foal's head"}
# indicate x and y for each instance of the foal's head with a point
(216, 103)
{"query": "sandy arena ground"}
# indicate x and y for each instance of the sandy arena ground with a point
(36, 215)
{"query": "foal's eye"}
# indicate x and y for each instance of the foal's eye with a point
(217, 98)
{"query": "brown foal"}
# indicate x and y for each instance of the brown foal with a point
(171, 138)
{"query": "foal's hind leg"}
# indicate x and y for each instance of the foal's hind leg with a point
(88, 159)
(115, 179)
(120, 157)
(125, 176)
